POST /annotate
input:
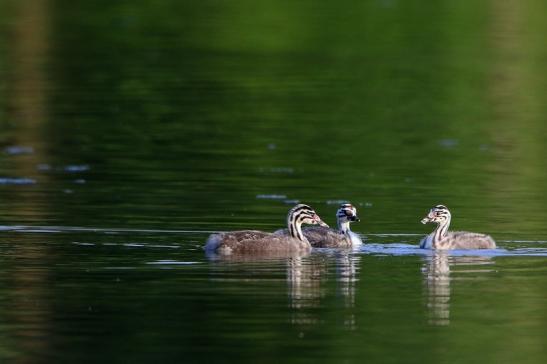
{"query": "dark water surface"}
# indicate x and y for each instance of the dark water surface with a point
(129, 131)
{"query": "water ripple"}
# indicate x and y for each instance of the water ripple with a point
(171, 262)
(17, 181)
(408, 249)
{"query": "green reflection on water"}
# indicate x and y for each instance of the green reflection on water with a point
(185, 112)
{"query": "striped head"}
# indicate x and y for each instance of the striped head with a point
(346, 213)
(438, 214)
(302, 214)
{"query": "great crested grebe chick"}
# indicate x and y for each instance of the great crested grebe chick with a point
(325, 237)
(260, 242)
(441, 238)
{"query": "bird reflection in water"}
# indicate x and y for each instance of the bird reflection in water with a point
(307, 278)
(439, 269)
(346, 272)
(307, 286)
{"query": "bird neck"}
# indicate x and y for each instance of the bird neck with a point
(440, 231)
(343, 226)
(295, 228)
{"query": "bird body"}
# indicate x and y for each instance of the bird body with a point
(254, 241)
(257, 242)
(325, 237)
(320, 237)
(443, 239)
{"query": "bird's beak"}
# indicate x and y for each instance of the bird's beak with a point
(319, 222)
(355, 218)
(428, 218)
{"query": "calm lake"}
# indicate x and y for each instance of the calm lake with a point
(131, 130)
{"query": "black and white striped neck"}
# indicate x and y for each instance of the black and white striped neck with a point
(440, 231)
(297, 216)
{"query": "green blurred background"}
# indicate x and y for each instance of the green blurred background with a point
(176, 105)
(210, 115)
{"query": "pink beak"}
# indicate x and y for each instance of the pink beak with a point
(318, 220)
(428, 218)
